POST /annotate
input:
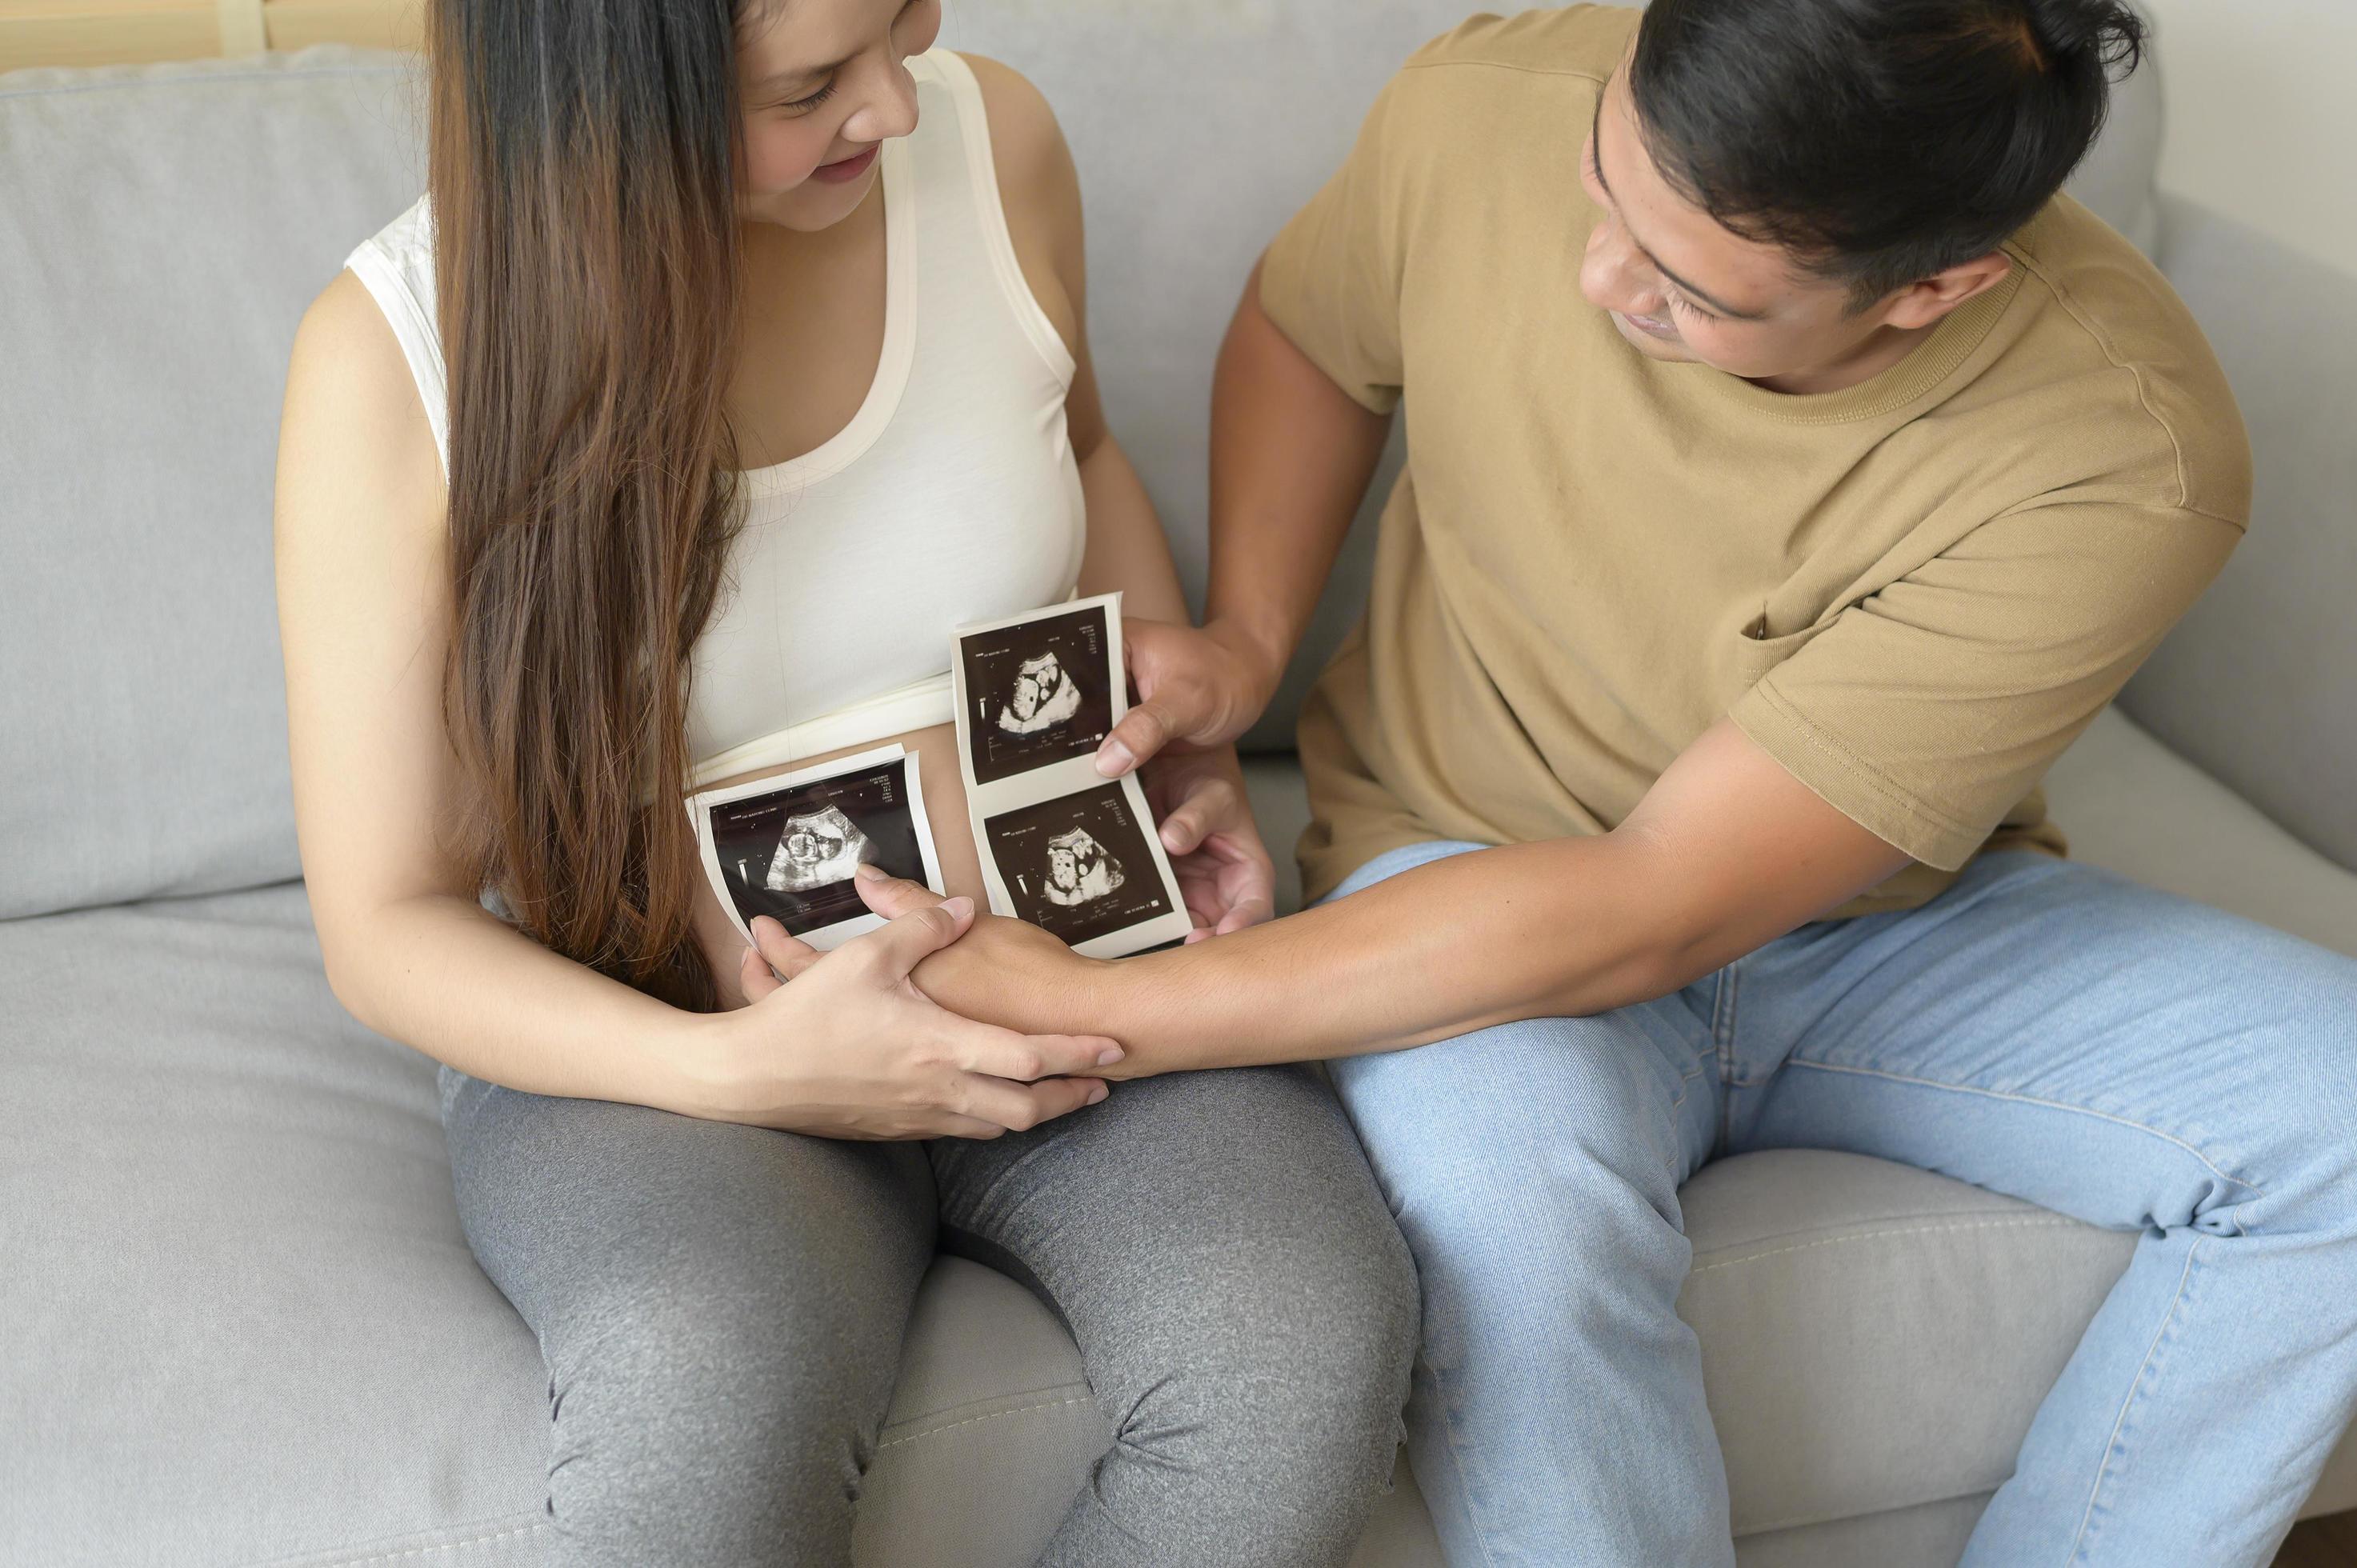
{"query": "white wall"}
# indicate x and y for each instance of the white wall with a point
(2262, 115)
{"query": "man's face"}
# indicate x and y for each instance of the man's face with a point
(1681, 286)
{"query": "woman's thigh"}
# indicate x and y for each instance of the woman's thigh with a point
(1244, 1306)
(720, 1308)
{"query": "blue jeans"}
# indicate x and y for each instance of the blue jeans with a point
(2041, 1028)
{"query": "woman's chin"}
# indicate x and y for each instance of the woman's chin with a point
(812, 206)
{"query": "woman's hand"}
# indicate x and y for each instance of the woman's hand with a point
(1223, 868)
(844, 1045)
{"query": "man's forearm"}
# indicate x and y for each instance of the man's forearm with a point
(1558, 928)
(1291, 455)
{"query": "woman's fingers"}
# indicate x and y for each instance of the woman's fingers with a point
(1019, 1107)
(755, 978)
(773, 948)
(889, 896)
(1002, 1053)
(913, 937)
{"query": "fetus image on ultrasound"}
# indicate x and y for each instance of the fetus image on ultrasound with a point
(1044, 697)
(1038, 691)
(1080, 866)
(1079, 870)
(814, 850)
(790, 853)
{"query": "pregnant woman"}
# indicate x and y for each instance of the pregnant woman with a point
(734, 356)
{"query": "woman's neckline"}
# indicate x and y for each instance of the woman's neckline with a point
(845, 447)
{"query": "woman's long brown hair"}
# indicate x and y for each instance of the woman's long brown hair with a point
(582, 159)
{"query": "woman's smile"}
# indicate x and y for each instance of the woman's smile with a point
(846, 169)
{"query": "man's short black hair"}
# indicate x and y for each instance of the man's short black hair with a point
(1877, 141)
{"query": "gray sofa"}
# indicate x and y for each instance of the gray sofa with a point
(238, 1321)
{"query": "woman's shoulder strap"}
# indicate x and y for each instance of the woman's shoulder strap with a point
(396, 266)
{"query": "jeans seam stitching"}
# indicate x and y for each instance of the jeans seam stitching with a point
(1456, 1458)
(1729, 979)
(2111, 1446)
(2206, 1162)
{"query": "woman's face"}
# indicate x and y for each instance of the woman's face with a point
(823, 86)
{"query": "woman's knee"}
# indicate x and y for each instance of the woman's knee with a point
(1276, 1420)
(695, 1430)
(720, 1311)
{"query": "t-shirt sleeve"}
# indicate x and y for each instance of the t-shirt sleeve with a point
(1926, 711)
(1330, 279)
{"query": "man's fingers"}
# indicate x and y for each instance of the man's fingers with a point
(912, 937)
(1141, 732)
(1209, 803)
(774, 950)
(1247, 912)
(889, 896)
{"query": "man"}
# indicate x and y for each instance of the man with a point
(1791, 475)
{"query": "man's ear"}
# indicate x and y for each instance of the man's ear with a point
(1921, 304)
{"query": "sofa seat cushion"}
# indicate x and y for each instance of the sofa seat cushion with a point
(244, 1327)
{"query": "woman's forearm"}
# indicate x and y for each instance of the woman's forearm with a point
(444, 975)
(1127, 551)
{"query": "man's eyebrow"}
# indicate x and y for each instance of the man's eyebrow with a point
(1595, 168)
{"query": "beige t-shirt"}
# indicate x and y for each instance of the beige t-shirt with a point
(1913, 593)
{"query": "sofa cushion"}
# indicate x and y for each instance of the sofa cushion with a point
(164, 227)
(2258, 683)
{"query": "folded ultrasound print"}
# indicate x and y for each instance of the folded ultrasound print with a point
(1061, 847)
(787, 846)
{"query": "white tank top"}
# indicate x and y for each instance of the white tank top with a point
(952, 496)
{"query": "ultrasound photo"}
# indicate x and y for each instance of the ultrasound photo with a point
(1079, 866)
(1038, 692)
(788, 851)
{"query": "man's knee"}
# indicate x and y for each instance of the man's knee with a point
(1577, 1118)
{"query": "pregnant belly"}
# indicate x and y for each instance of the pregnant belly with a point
(944, 789)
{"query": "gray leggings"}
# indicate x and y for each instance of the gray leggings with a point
(721, 1308)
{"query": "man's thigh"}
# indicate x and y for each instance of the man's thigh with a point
(2053, 1031)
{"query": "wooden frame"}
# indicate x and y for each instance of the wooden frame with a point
(108, 32)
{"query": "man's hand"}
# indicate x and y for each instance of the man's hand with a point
(1225, 871)
(1195, 690)
(1000, 970)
